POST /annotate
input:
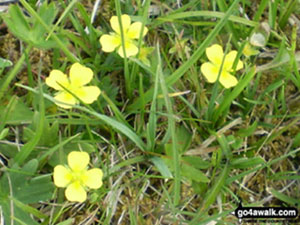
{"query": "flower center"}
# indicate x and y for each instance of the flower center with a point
(127, 38)
(79, 176)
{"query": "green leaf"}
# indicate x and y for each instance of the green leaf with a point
(193, 174)
(29, 146)
(20, 217)
(256, 169)
(280, 59)
(50, 133)
(287, 199)
(161, 166)
(5, 63)
(16, 112)
(183, 15)
(286, 175)
(152, 124)
(196, 162)
(9, 150)
(172, 127)
(12, 73)
(213, 192)
(58, 41)
(29, 209)
(296, 141)
(244, 163)
(31, 166)
(247, 131)
(4, 133)
(17, 22)
(67, 222)
(17, 188)
(34, 32)
(37, 189)
(53, 8)
(184, 138)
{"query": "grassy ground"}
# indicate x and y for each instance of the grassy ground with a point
(174, 148)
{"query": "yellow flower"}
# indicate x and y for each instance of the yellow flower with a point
(211, 69)
(249, 50)
(76, 177)
(130, 31)
(79, 76)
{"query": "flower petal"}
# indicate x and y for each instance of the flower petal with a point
(93, 178)
(110, 42)
(65, 97)
(130, 49)
(239, 66)
(78, 161)
(88, 94)
(75, 192)
(55, 78)
(135, 30)
(229, 60)
(80, 75)
(114, 22)
(210, 71)
(215, 54)
(227, 80)
(61, 176)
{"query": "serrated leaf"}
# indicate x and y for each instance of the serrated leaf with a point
(48, 14)
(31, 30)
(16, 22)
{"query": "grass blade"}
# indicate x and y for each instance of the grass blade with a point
(220, 15)
(13, 72)
(171, 123)
(29, 146)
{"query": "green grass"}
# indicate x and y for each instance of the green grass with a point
(174, 149)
